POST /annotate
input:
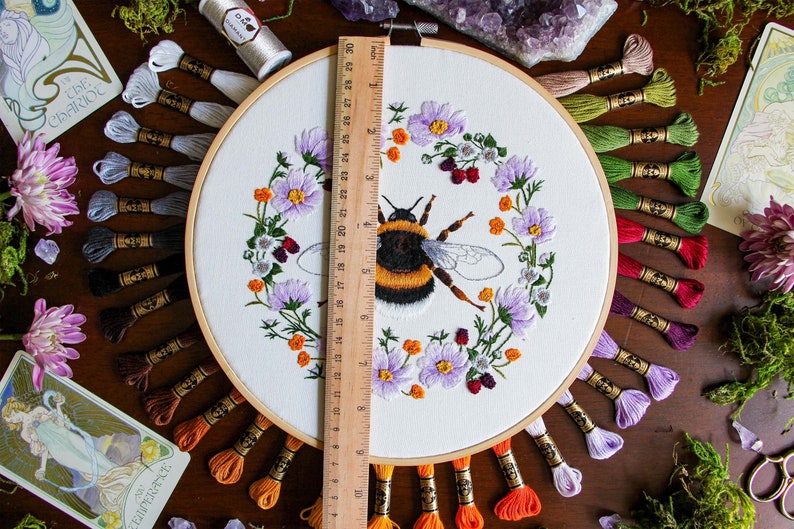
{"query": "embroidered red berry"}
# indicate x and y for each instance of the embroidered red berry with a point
(472, 174)
(291, 245)
(462, 337)
(458, 176)
(488, 381)
(280, 254)
(474, 386)
(448, 164)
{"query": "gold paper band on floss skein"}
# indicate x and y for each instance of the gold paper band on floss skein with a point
(648, 135)
(625, 99)
(219, 410)
(580, 417)
(157, 138)
(194, 66)
(150, 304)
(548, 448)
(248, 439)
(464, 486)
(428, 494)
(650, 170)
(133, 205)
(662, 240)
(133, 240)
(650, 319)
(603, 385)
(632, 361)
(146, 171)
(175, 101)
(509, 467)
(163, 351)
(281, 464)
(382, 505)
(607, 71)
(657, 208)
(658, 279)
(138, 275)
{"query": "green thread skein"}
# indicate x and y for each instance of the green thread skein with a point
(685, 172)
(659, 91)
(603, 138)
(691, 216)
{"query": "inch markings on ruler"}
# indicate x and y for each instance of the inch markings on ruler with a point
(351, 281)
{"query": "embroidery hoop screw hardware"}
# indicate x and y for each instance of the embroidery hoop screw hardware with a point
(421, 28)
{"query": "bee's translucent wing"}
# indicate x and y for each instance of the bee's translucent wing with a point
(314, 259)
(471, 262)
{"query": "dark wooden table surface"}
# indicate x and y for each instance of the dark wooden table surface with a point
(614, 485)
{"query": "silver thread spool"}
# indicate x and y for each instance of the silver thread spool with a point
(254, 43)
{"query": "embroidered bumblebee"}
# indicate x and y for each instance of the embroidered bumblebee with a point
(408, 261)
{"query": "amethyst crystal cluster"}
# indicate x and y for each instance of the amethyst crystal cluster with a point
(529, 31)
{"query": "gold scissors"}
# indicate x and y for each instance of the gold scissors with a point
(784, 481)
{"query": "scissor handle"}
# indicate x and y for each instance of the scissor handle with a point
(783, 483)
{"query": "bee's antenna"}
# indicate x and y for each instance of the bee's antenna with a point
(415, 203)
(389, 202)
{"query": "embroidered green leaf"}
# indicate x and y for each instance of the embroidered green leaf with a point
(281, 159)
(489, 142)
(541, 309)
(450, 151)
(539, 281)
(278, 232)
(467, 137)
(502, 151)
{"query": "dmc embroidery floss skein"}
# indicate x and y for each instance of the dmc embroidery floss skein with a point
(313, 515)
(122, 128)
(380, 516)
(227, 465)
(637, 58)
(661, 380)
(114, 168)
(680, 336)
(687, 292)
(134, 367)
(105, 204)
(102, 282)
(601, 444)
(428, 498)
(521, 501)
(567, 480)
(691, 216)
(102, 242)
(630, 404)
(603, 138)
(659, 91)
(167, 54)
(468, 515)
(187, 434)
(115, 321)
(265, 491)
(143, 88)
(161, 403)
(685, 172)
(693, 251)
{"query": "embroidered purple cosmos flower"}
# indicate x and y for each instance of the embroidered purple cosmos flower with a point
(389, 376)
(39, 185)
(289, 295)
(443, 364)
(770, 244)
(50, 330)
(297, 195)
(435, 123)
(536, 223)
(315, 148)
(515, 310)
(514, 174)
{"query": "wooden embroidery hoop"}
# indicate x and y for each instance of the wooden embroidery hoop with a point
(197, 226)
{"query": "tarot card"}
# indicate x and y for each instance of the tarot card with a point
(756, 157)
(81, 454)
(52, 71)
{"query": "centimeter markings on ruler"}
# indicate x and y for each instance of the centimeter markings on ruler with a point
(351, 281)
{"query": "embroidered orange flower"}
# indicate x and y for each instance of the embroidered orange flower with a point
(417, 392)
(412, 347)
(512, 354)
(393, 154)
(296, 342)
(485, 295)
(303, 359)
(497, 225)
(400, 136)
(505, 203)
(256, 285)
(263, 194)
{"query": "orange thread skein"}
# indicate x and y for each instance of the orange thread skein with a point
(522, 501)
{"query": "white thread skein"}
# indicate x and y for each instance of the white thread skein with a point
(115, 167)
(123, 128)
(143, 88)
(167, 55)
(104, 204)
(601, 444)
(567, 480)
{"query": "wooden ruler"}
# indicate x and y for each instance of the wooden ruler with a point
(351, 281)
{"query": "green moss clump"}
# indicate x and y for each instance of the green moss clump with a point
(150, 16)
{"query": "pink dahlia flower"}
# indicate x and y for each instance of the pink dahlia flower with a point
(50, 330)
(770, 245)
(39, 184)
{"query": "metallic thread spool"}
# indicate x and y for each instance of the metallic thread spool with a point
(254, 43)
